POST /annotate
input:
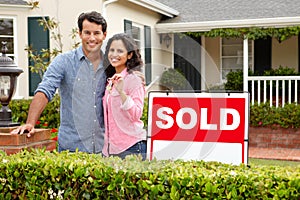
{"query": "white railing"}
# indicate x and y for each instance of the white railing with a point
(262, 89)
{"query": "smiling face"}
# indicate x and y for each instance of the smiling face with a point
(118, 55)
(92, 37)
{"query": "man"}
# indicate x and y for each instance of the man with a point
(79, 76)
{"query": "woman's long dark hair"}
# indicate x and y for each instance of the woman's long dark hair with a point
(135, 63)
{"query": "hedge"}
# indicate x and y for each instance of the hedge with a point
(45, 175)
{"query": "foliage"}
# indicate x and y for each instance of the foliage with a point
(49, 118)
(251, 33)
(45, 175)
(260, 115)
(173, 79)
(285, 117)
(145, 113)
(281, 71)
(234, 79)
(42, 58)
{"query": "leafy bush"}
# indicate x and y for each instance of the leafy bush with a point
(285, 117)
(260, 115)
(45, 175)
(172, 79)
(145, 113)
(49, 118)
(234, 79)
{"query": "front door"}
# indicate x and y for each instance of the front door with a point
(187, 59)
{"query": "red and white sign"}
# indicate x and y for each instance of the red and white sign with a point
(198, 126)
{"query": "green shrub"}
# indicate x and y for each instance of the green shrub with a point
(234, 79)
(145, 113)
(173, 79)
(45, 175)
(260, 115)
(49, 118)
(285, 117)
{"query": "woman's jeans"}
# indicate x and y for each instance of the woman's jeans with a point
(139, 148)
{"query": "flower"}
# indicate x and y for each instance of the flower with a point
(54, 130)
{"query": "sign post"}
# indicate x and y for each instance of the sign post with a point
(198, 126)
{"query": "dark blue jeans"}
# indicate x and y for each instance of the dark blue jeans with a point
(139, 148)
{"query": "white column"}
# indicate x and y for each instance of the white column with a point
(245, 64)
(202, 65)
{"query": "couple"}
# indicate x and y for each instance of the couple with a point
(96, 90)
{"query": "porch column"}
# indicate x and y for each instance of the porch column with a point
(245, 64)
(202, 65)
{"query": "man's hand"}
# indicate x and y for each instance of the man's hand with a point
(141, 75)
(26, 128)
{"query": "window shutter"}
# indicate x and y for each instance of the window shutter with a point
(38, 39)
(148, 67)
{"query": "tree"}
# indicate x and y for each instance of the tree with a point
(41, 59)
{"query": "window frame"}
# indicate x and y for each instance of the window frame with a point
(234, 45)
(12, 55)
(140, 41)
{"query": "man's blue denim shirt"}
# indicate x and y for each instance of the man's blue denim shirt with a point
(81, 90)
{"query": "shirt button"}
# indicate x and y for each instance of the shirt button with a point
(95, 106)
(95, 120)
(94, 93)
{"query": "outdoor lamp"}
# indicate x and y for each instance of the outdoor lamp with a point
(8, 80)
(166, 38)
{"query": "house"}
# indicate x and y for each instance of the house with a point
(220, 55)
(158, 27)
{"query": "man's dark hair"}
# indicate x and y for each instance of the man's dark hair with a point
(92, 17)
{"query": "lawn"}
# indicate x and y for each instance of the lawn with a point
(256, 161)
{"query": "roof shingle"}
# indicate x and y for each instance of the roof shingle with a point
(218, 10)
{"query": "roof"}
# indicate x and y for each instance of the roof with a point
(157, 7)
(13, 2)
(208, 14)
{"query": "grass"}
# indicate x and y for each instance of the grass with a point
(283, 163)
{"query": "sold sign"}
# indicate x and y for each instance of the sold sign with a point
(198, 126)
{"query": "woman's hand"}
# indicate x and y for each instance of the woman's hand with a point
(118, 82)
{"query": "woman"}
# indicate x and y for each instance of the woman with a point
(124, 99)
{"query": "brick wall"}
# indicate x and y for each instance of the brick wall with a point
(274, 138)
(15, 143)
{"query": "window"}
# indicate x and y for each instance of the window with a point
(232, 55)
(142, 36)
(7, 33)
(138, 36)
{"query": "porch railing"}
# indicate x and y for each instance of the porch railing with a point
(278, 90)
